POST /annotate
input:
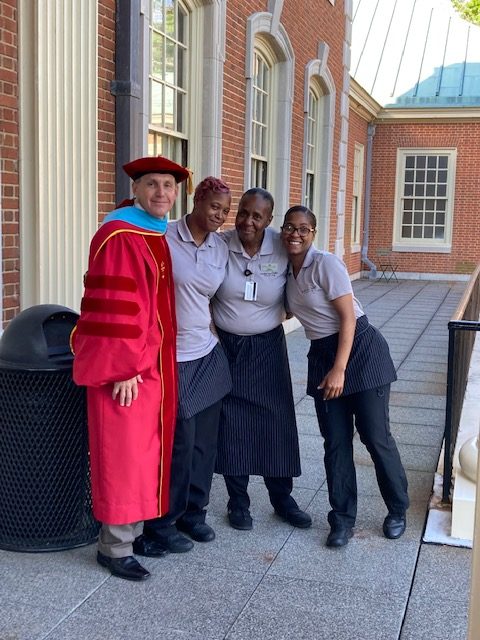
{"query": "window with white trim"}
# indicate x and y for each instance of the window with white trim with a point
(311, 151)
(260, 121)
(269, 66)
(319, 123)
(357, 190)
(424, 207)
(168, 82)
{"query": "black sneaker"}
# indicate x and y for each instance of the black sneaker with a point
(339, 536)
(198, 531)
(240, 519)
(174, 542)
(296, 517)
(143, 546)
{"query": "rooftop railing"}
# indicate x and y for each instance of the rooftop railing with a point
(462, 330)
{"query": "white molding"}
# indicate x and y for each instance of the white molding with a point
(262, 31)
(439, 115)
(145, 75)
(213, 68)
(422, 244)
(421, 248)
(275, 7)
(362, 102)
(343, 143)
(322, 198)
(58, 148)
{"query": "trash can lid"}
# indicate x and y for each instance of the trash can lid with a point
(39, 338)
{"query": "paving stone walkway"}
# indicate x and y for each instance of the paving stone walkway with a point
(276, 582)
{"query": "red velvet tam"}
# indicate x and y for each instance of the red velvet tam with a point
(155, 164)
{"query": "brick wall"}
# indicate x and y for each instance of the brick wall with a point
(106, 106)
(306, 22)
(465, 137)
(9, 157)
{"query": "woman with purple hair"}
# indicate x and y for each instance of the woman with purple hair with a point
(199, 257)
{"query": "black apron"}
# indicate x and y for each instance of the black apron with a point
(369, 366)
(258, 430)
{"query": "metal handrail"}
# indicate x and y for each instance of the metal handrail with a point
(461, 338)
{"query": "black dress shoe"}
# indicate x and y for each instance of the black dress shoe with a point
(143, 546)
(339, 536)
(296, 517)
(175, 542)
(394, 526)
(127, 567)
(240, 519)
(198, 531)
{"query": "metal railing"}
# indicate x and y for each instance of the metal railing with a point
(461, 336)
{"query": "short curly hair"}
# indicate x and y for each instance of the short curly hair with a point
(209, 185)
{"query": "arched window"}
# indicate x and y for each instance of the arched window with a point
(357, 191)
(184, 53)
(268, 121)
(168, 83)
(319, 110)
(311, 143)
(261, 122)
(168, 86)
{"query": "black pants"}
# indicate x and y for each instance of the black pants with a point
(335, 418)
(193, 461)
(279, 490)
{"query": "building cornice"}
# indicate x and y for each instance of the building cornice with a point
(362, 102)
(437, 115)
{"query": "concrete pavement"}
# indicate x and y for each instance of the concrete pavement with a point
(276, 582)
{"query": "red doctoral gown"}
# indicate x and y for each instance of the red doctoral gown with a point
(127, 327)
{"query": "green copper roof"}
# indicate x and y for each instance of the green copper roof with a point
(415, 53)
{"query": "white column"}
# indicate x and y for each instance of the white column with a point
(58, 153)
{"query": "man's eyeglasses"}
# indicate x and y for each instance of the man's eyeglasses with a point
(302, 231)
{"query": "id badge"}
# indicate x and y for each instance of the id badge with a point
(250, 291)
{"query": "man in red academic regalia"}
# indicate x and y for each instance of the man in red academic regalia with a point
(124, 345)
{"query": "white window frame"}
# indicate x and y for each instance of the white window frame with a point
(174, 139)
(204, 106)
(357, 196)
(311, 144)
(267, 35)
(427, 245)
(262, 119)
(318, 76)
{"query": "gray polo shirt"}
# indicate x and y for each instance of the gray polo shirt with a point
(322, 278)
(197, 274)
(268, 270)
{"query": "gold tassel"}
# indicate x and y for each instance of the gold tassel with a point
(189, 186)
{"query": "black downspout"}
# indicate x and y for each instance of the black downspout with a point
(127, 89)
(366, 217)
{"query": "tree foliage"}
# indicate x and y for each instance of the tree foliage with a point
(468, 9)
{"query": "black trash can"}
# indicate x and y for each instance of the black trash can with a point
(45, 494)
